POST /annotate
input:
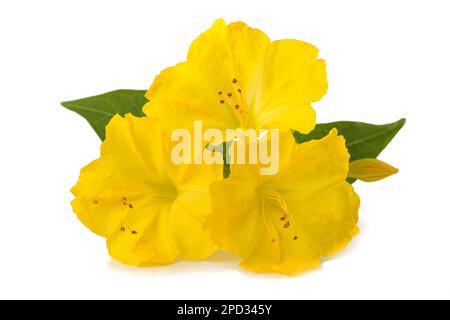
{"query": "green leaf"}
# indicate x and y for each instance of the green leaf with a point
(363, 140)
(98, 110)
(226, 170)
(226, 156)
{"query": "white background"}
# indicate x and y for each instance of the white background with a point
(386, 60)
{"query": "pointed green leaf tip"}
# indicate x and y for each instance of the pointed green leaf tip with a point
(363, 140)
(98, 110)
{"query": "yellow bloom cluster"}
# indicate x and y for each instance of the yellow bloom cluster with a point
(154, 212)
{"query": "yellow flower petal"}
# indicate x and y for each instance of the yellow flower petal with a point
(319, 163)
(181, 94)
(150, 211)
(235, 77)
(146, 238)
(284, 223)
(225, 51)
(370, 170)
(293, 77)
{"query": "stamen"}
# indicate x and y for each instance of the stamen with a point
(286, 218)
(107, 188)
(270, 229)
(95, 201)
(235, 101)
(127, 213)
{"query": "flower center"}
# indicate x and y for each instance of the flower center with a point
(234, 98)
(286, 219)
(166, 193)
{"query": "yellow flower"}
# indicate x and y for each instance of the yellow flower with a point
(150, 210)
(235, 77)
(286, 222)
(370, 170)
